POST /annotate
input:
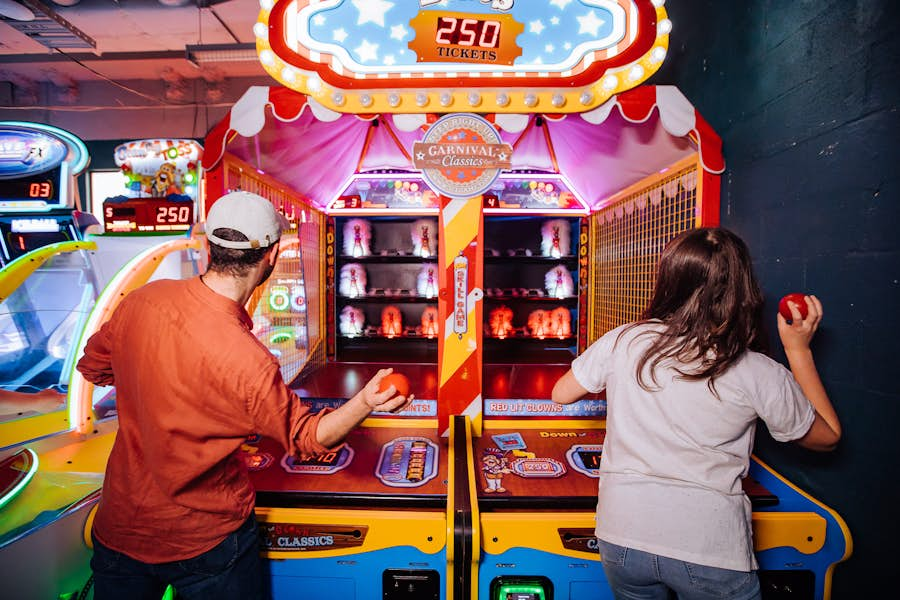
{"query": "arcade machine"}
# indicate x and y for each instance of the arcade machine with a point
(556, 181)
(38, 194)
(52, 463)
(158, 203)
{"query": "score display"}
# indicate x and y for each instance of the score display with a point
(35, 192)
(465, 37)
(141, 215)
(468, 32)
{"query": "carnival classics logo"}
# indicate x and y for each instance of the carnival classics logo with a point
(461, 155)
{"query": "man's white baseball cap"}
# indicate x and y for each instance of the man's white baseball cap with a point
(247, 213)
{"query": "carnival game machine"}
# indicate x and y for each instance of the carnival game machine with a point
(529, 125)
(38, 193)
(158, 201)
(368, 520)
(54, 440)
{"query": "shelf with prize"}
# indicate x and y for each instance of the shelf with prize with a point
(530, 292)
(387, 288)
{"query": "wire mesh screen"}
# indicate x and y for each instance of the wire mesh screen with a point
(626, 240)
(304, 277)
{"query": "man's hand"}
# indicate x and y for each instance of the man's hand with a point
(387, 400)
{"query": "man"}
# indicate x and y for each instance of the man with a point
(192, 382)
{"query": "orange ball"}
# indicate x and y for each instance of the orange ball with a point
(398, 380)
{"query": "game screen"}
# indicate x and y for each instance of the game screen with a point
(39, 325)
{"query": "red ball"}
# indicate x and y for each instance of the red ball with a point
(796, 298)
(398, 380)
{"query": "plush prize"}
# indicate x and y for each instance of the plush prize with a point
(560, 322)
(539, 323)
(423, 238)
(352, 321)
(353, 281)
(391, 322)
(426, 281)
(558, 282)
(357, 236)
(500, 323)
(430, 322)
(555, 240)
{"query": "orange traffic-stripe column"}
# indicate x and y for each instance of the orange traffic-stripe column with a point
(460, 305)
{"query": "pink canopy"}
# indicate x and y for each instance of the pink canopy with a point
(315, 150)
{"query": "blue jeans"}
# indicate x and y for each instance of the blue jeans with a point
(637, 575)
(233, 570)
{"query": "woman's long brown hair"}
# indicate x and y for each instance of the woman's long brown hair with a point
(709, 303)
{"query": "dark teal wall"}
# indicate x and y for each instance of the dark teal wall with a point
(806, 97)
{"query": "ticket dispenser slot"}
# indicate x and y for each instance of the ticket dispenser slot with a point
(521, 588)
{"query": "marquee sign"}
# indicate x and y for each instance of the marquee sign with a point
(491, 55)
(461, 155)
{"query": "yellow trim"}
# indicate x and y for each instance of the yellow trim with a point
(86, 456)
(404, 423)
(476, 513)
(423, 530)
(495, 424)
(16, 272)
(29, 428)
(848, 549)
(449, 522)
(539, 531)
(804, 531)
(88, 526)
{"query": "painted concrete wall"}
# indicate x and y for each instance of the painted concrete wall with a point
(806, 96)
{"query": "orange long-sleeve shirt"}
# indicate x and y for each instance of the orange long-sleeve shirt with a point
(192, 382)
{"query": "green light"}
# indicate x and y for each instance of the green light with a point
(280, 338)
(29, 462)
(170, 593)
(172, 152)
(189, 178)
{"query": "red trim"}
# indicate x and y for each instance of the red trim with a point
(646, 36)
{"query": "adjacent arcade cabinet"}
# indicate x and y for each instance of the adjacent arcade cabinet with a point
(38, 193)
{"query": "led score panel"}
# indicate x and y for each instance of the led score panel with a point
(510, 56)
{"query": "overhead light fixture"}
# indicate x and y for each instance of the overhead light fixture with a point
(221, 53)
(46, 26)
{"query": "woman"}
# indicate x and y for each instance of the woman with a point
(685, 386)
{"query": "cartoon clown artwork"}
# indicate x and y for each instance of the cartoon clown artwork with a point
(494, 467)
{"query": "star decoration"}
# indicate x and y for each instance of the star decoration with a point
(567, 46)
(589, 23)
(389, 60)
(339, 35)
(561, 4)
(536, 27)
(398, 32)
(319, 20)
(554, 20)
(372, 11)
(502, 156)
(549, 48)
(420, 156)
(367, 51)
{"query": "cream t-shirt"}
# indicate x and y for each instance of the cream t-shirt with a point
(673, 458)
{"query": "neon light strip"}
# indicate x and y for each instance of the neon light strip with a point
(135, 273)
(21, 485)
